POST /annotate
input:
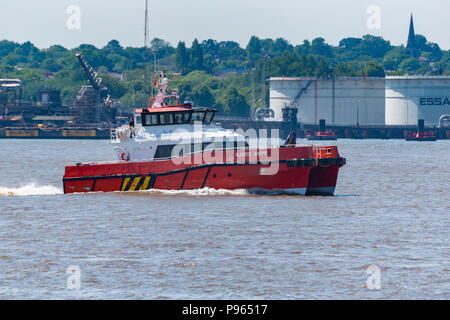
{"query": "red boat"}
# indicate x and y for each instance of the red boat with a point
(179, 148)
(322, 135)
(421, 136)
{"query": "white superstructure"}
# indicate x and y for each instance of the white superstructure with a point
(149, 142)
(162, 131)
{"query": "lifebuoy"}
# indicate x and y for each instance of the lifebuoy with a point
(125, 156)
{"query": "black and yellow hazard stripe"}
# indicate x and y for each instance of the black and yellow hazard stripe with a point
(137, 183)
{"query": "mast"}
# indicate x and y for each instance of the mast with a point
(146, 45)
(252, 112)
(146, 26)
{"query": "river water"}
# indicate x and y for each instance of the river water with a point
(391, 214)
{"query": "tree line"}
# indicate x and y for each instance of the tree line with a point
(213, 73)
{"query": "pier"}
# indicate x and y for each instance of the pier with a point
(284, 127)
(342, 132)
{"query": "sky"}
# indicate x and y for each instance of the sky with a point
(49, 22)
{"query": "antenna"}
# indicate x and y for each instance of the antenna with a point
(252, 112)
(146, 25)
(146, 40)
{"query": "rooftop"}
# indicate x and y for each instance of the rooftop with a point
(313, 78)
(413, 77)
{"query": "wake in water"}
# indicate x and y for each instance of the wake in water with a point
(217, 192)
(34, 190)
(30, 190)
(197, 192)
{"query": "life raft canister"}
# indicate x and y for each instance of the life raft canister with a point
(125, 156)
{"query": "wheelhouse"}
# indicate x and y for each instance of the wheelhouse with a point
(229, 143)
(174, 116)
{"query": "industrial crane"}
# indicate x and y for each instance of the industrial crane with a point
(329, 72)
(93, 103)
(94, 79)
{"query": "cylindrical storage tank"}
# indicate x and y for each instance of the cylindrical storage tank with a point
(342, 101)
(410, 98)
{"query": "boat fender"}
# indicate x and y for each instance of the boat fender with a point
(125, 156)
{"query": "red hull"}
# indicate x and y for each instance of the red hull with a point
(322, 136)
(421, 136)
(298, 170)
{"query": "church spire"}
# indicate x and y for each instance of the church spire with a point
(411, 49)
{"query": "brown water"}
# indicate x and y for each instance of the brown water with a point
(391, 210)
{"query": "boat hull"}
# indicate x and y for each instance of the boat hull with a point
(322, 181)
(421, 136)
(295, 171)
(322, 138)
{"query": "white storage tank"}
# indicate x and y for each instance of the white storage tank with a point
(344, 101)
(410, 98)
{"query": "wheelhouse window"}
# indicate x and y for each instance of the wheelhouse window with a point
(164, 152)
(169, 151)
(209, 117)
(166, 118)
(151, 120)
(197, 116)
(181, 117)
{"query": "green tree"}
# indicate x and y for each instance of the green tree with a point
(344, 69)
(445, 61)
(393, 58)
(410, 65)
(375, 47)
(350, 43)
(117, 88)
(350, 48)
(181, 57)
(118, 62)
(320, 47)
(113, 47)
(281, 45)
(422, 44)
(95, 57)
(56, 51)
(203, 96)
(162, 47)
(211, 47)
(196, 56)
(254, 48)
(236, 103)
(7, 47)
(373, 69)
(304, 48)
